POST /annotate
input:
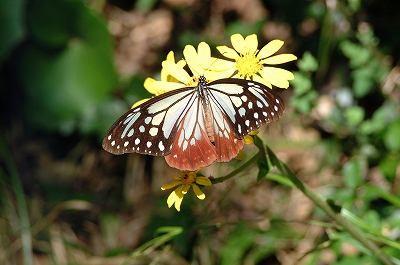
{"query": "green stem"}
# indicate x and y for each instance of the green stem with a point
(337, 217)
(239, 169)
(26, 237)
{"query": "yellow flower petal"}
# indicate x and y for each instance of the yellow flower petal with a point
(248, 140)
(178, 203)
(176, 71)
(171, 199)
(238, 43)
(228, 52)
(198, 192)
(251, 43)
(191, 58)
(255, 132)
(279, 59)
(203, 181)
(262, 80)
(170, 185)
(204, 55)
(139, 102)
(181, 63)
(277, 76)
(171, 57)
(219, 65)
(211, 75)
(160, 87)
(271, 48)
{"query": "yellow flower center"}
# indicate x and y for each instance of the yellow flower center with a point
(188, 178)
(248, 65)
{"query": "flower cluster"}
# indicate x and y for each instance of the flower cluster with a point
(244, 61)
(185, 181)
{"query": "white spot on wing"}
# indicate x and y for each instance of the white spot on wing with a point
(161, 146)
(180, 140)
(236, 101)
(153, 131)
(148, 144)
(109, 137)
(112, 143)
(147, 120)
(137, 141)
(130, 133)
(250, 105)
(244, 98)
(185, 144)
(255, 115)
(247, 122)
(197, 132)
(158, 118)
(141, 128)
(276, 108)
(126, 143)
(242, 112)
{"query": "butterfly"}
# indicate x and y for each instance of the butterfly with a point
(194, 126)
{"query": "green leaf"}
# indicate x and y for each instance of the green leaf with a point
(308, 63)
(357, 54)
(384, 194)
(301, 83)
(352, 174)
(240, 241)
(167, 233)
(388, 165)
(11, 25)
(372, 218)
(363, 82)
(392, 136)
(354, 115)
(64, 85)
(280, 179)
(264, 166)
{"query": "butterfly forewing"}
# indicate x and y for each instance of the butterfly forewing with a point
(244, 104)
(150, 128)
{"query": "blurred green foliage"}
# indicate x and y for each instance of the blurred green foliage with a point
(65, 67)
(59, 55)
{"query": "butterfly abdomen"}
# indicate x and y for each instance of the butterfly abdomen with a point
(208, 120)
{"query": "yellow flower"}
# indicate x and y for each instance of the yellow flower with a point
(200, 62)
(247, 140)
(186, 180)
(167, 82)
(250, 62)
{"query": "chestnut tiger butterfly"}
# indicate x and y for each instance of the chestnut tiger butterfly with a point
(194, 126)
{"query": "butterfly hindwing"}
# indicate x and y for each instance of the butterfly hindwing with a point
(192, 146)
